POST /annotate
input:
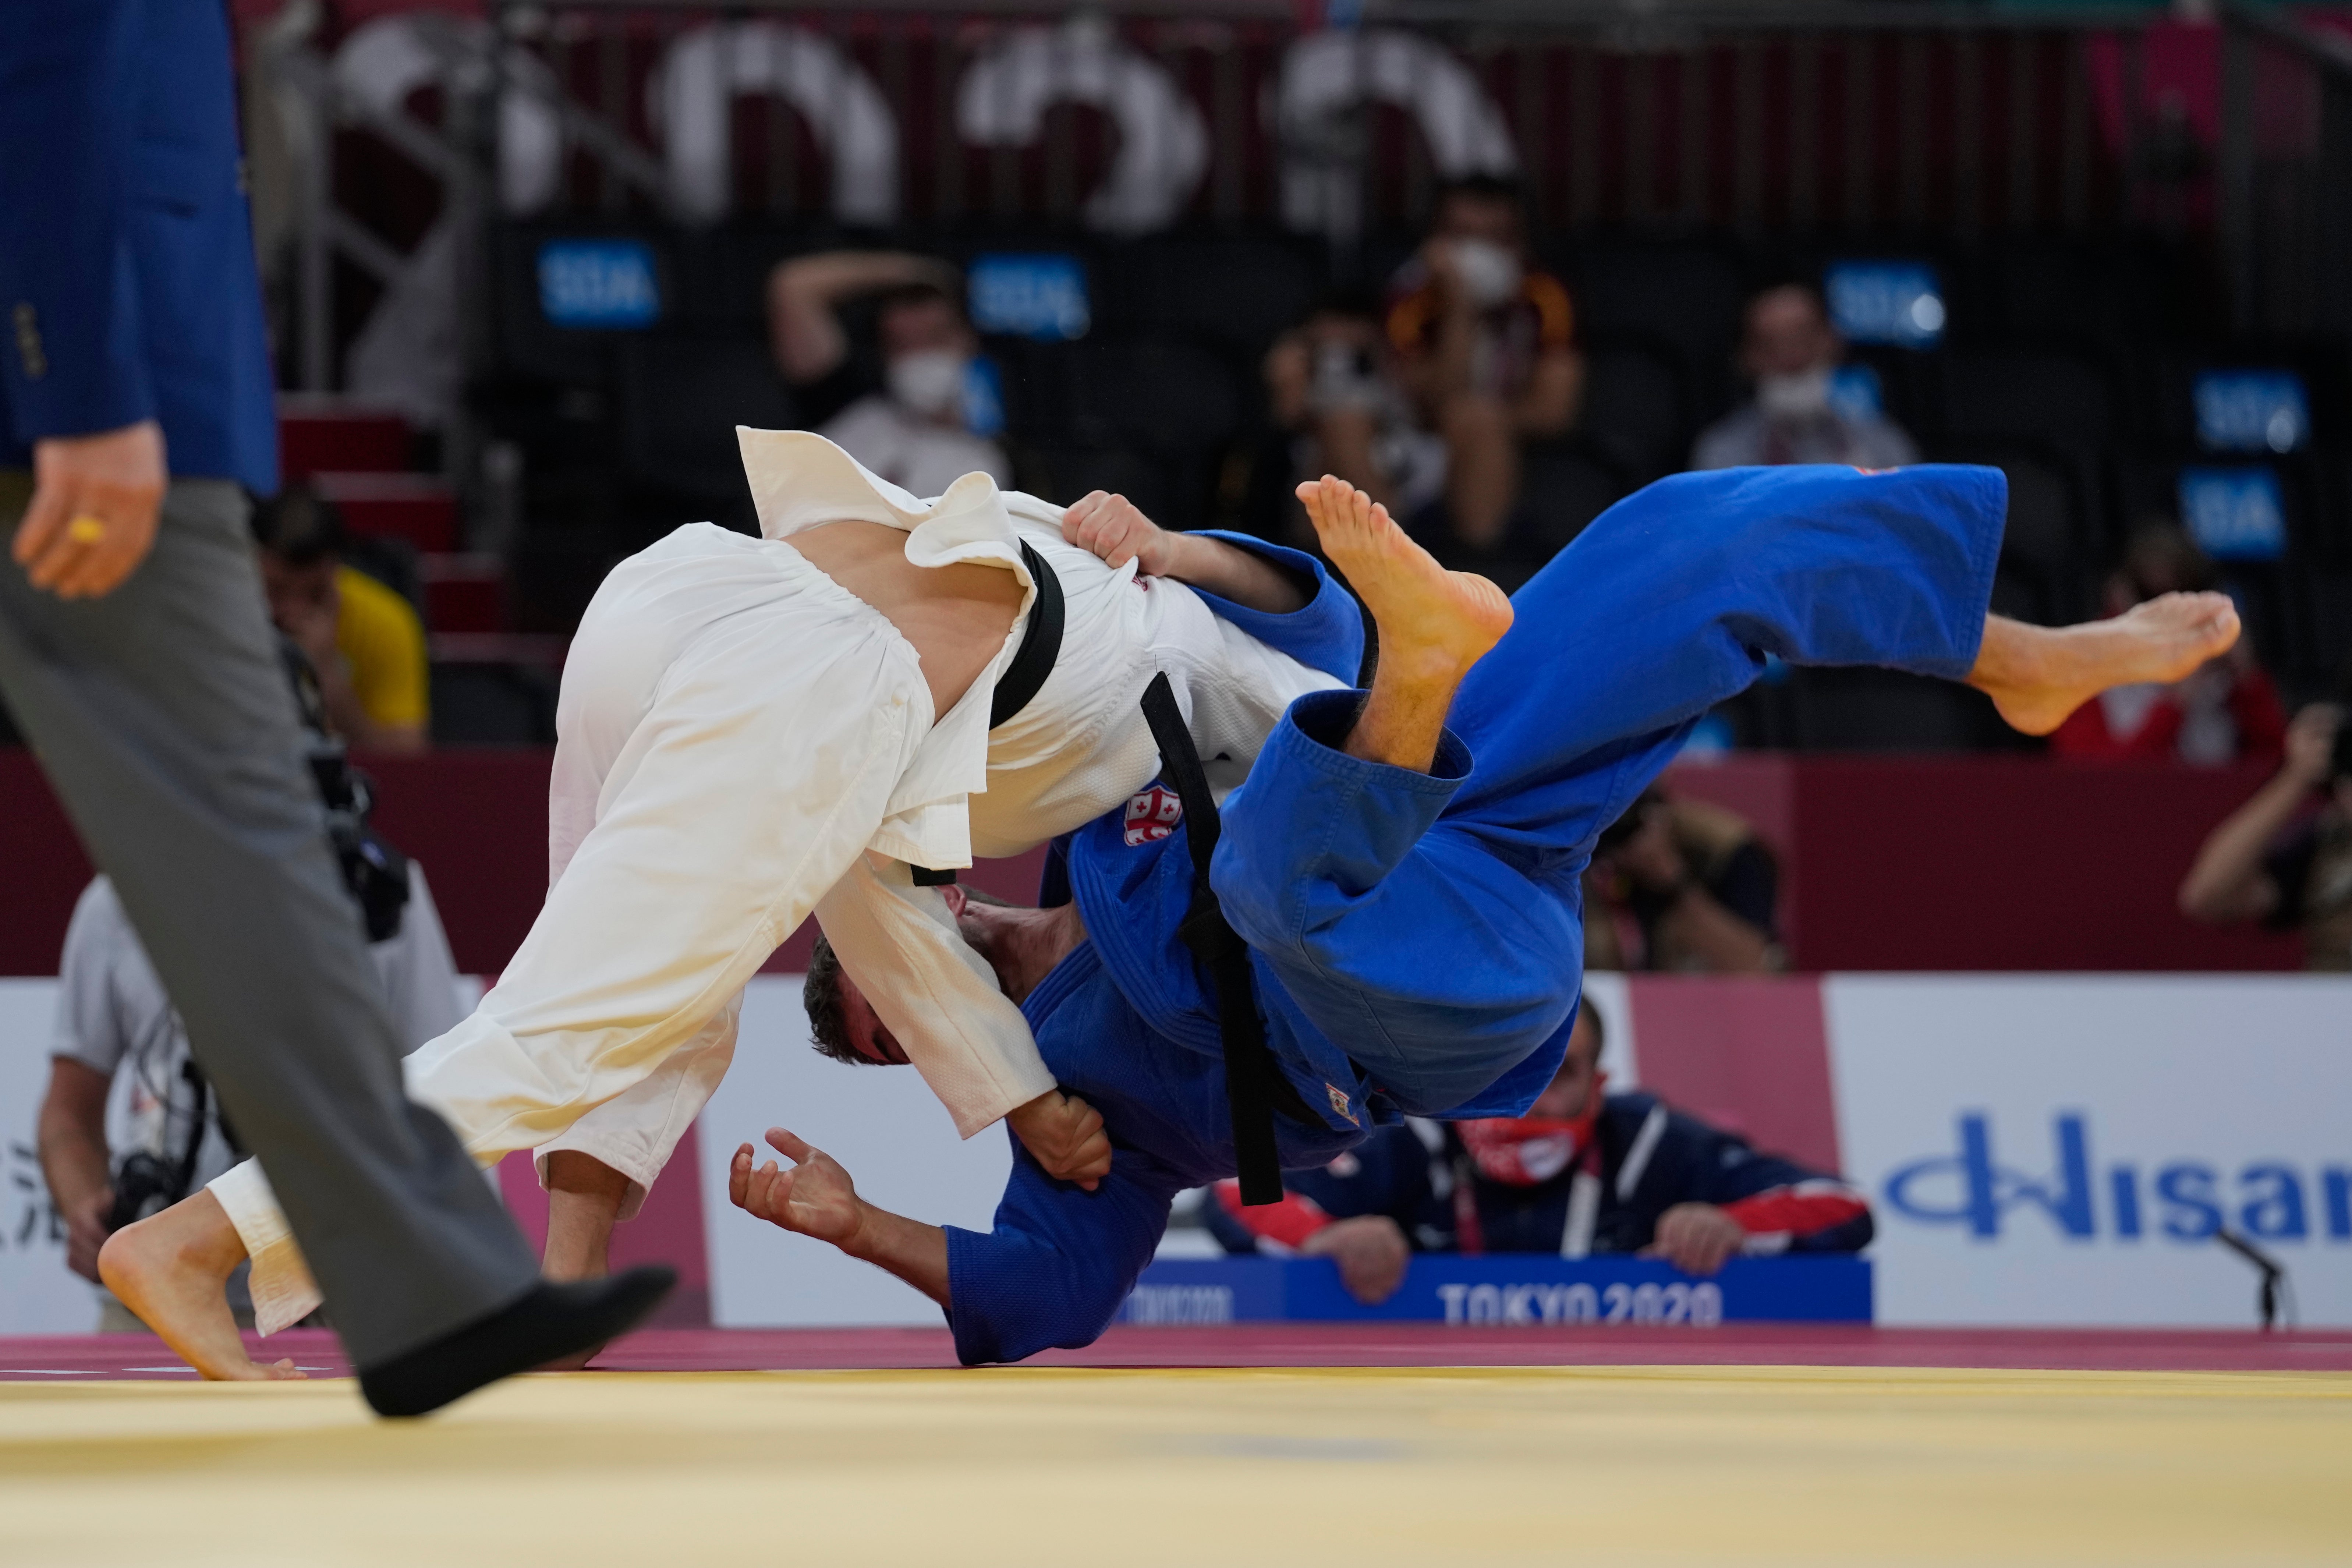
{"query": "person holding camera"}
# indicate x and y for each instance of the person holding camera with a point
(130, 1124)
(2285, 857)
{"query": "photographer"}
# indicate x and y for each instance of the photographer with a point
(130, 1125)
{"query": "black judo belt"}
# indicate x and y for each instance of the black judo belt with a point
(1032, 661)
(1254, 1087)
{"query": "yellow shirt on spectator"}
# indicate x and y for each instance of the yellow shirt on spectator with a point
(382, 643)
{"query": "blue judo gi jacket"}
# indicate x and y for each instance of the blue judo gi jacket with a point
(1417, 939)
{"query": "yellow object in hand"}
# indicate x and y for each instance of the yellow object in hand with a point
(86, 529)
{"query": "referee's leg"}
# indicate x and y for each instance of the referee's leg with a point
(162, 716)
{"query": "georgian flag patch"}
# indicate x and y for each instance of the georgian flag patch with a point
(1153, 816)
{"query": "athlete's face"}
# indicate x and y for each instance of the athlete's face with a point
(868, 1035)
(1579, 1078)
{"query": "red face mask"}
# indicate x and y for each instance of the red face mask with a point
(1528, 1150)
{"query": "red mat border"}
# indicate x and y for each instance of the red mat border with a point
(70, 1358)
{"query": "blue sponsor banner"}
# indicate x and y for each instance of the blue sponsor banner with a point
(1527, 1290)
(598, 283)
(2252, 411)
(1897, 302)
(2234, 514)
(1029, 296)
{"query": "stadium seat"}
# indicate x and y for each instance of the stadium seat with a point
(680, 398)
(2048, 548)
(1232, 293)
(493, 705)
(1636, 409)
(1686, 295)
(1562, 487)
(2025, 395)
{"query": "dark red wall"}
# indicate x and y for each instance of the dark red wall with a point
(1956, 863)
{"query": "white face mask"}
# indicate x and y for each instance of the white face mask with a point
(1805, 395)
(1489, 272)
(928, 382)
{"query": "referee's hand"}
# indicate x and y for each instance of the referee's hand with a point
(93, 514)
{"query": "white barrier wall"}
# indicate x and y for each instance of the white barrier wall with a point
(2060, 1150)
(2038, 1149)
(37, 1295)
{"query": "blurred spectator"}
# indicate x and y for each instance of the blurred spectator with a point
(2277, 860)
(1790, 353)
(1582, 1173)
(130, 1125)
(1585, 1171)
(2228, 712)
(1683, 886)
(907, 415)
(366, 642)
(1486, 346)
(1368, 1211)
(1333, 389)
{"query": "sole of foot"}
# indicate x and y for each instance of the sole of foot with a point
(2166, 640)
(1425, 612)
(172, 1269)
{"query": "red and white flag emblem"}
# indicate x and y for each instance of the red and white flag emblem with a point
(1153, 816)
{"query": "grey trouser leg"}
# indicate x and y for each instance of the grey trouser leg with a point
(164, 721)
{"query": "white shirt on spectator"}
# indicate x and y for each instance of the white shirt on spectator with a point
(919, 455)
(113, 1013)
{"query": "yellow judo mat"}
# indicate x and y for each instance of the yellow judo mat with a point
(1036, 1467)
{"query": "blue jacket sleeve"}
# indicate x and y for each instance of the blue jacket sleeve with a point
(1326, 634)
(1772, 1195)
(1059, 1261)
(73, 361)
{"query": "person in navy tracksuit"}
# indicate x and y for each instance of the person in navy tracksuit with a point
(136, 412)
(1582, 1173)
(1408, 885)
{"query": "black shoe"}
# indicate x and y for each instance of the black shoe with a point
(552, 1321)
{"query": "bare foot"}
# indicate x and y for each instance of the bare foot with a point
(1436, 621)
(173, 1270)
(2036, 676)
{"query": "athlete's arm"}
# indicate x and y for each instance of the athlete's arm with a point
(1115, 528)
(816, 1198)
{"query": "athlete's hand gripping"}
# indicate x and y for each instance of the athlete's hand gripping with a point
(1064, 1134)
(1115, 528)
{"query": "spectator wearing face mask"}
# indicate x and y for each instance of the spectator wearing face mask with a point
(1583, 1172)
(2228, 712)
(1485, 345)
(1790, 352)
(920, 410)
(1587, 1172)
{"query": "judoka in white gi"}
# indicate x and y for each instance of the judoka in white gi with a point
(752, 729)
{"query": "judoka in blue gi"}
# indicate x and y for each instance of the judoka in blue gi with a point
(1408, 887)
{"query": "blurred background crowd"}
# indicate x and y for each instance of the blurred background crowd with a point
(529, 265)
